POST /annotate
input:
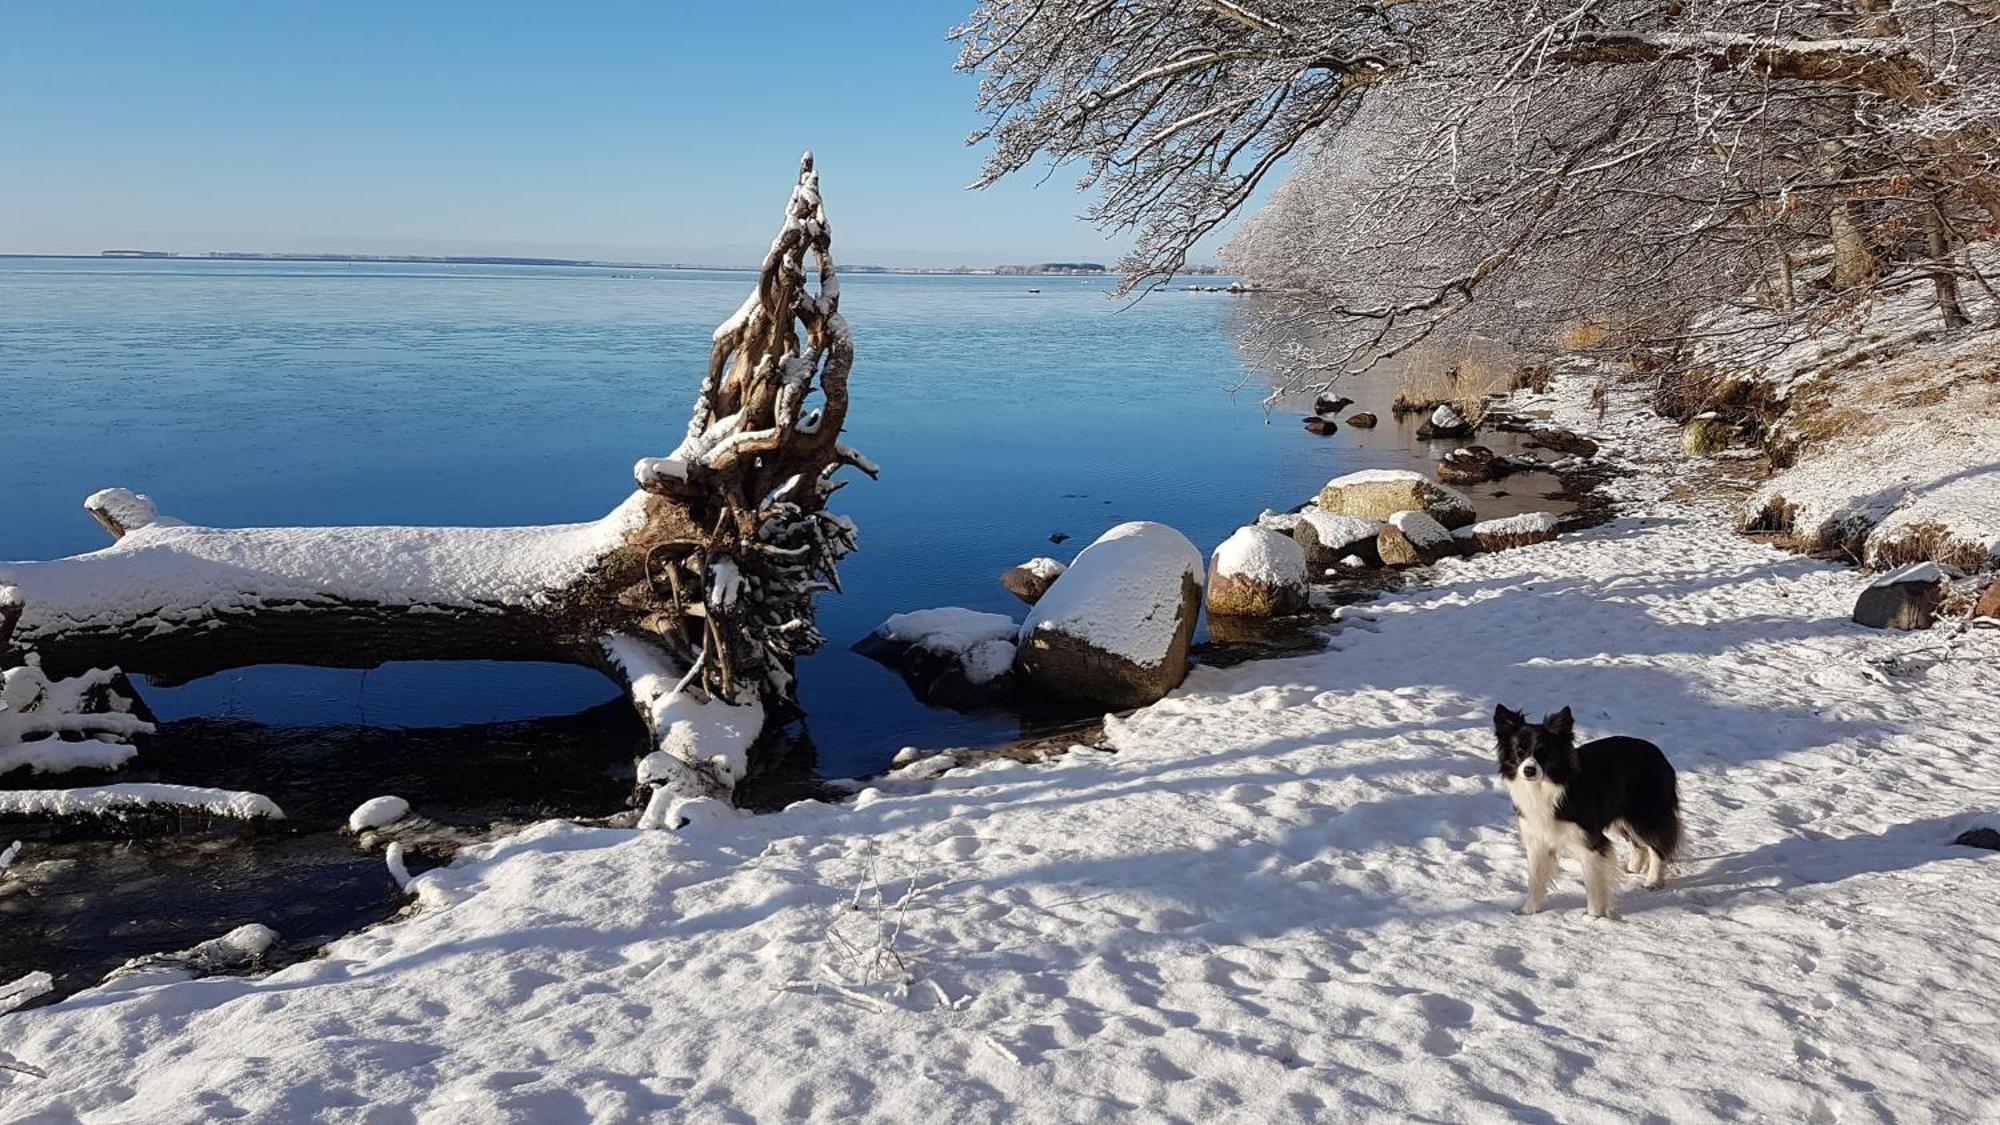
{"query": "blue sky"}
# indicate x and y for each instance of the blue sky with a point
(665, 130)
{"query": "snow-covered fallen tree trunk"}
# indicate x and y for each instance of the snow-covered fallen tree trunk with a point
(708, 570)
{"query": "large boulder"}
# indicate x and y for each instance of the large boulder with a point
(1414, 539)
(1115, 628)
(1902, 599)
(1328, 537)
(1380, 493)
(1257, 572)
(951, 656)
(1509, 532)
(1032, 579)
(1706, 435)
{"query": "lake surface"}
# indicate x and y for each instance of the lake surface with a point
(242, 393)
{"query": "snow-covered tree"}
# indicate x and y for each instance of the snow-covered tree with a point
(1505, 168)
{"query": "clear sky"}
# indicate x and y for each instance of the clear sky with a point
(658, 131)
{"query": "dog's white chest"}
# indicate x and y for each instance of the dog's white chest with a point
(1535, 801)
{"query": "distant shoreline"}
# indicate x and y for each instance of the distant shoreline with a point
(1045, 269)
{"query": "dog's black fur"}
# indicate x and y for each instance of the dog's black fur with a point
(1605, 781)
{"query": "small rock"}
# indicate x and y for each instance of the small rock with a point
(1319, 425)
(1032, 579)
(1444, 422)
(1059, 537)
(1979, 838)
(1902, 599)
(1361, 420)
(1706, 435)
(1561, 441)
(1331, 404)
(950, 656)
(1414, 539)
(1256, 572)
(1989, 602)
(377, 812)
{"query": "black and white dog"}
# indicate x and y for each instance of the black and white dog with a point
(1569, 798)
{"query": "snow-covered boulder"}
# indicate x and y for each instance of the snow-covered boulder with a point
(1331, 405)
(1706, 435)
(954, 656)
(1116, 627)
(1032, 579)
(1444, 422)
(1511, 531)
(1907, 598)
(1414, 539)
(1381, 493)
(1328, 537)
(1257, 572)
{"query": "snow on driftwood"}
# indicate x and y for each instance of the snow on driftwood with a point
(701, 743)
(163, 575)
(77, 722)
(117, 801)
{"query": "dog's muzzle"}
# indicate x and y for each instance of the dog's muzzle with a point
(1529, 771)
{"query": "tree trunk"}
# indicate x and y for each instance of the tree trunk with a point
(1943, 281)
(697, 591)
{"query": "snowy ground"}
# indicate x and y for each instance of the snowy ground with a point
(1287, 896)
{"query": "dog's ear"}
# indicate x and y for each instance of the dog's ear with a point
(1562, 723)
(1506, 722)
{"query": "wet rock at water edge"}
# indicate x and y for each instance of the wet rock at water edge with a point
(1559, 440)
(1115, 629)
(1032, 579)
(1331, 405)
(1361, 420)
(1907, 598)
(1319, 425)
(1444, 422)
(1257, 572)
(1473, 464)
(1979, 838)
(951, 656)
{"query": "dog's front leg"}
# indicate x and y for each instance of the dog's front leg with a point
(1541, 873)
(1600, 880)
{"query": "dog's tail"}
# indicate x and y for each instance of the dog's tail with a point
(1666, 835)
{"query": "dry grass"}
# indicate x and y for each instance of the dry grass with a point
(1464, 378)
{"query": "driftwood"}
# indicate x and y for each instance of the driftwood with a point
(697, 591)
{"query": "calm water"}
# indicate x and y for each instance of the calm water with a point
(253, 393)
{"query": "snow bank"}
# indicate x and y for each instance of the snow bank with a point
(1123, 592)
(116, 800)
(196, 571)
